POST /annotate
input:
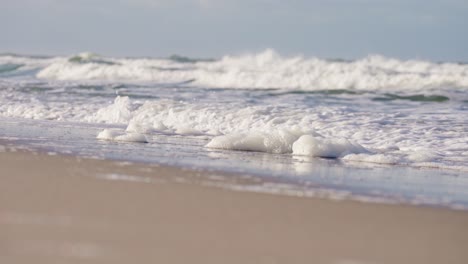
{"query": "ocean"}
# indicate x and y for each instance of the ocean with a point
(373, 129)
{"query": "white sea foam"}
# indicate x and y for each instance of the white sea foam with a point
(269, 70)
(117, 113)
(404, 138)
(114, 135)
(374, 158)
(284, 141)
(278, 142)
(309, 145)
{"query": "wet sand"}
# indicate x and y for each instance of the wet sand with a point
(60, 209)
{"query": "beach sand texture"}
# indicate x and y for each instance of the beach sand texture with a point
(60, 209)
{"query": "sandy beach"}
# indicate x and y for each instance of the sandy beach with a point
(62, 209)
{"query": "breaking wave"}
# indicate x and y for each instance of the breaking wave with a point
(267, 70)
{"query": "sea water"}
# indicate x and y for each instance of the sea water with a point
(375, 126)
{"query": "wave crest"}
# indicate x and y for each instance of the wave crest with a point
(268, 70)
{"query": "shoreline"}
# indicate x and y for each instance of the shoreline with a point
(243, 180)
(74, 210)
(292, 175)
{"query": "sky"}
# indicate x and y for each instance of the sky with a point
(413, 29)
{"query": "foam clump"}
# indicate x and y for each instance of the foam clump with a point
(309, 145)
(134, 126)
(120, 112)
(132, 137)
(373, 158)
(278, 142)
(113, 135)
(284, 141)
(108, 134)
(422, 156)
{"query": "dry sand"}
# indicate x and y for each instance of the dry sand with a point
(58, 209)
